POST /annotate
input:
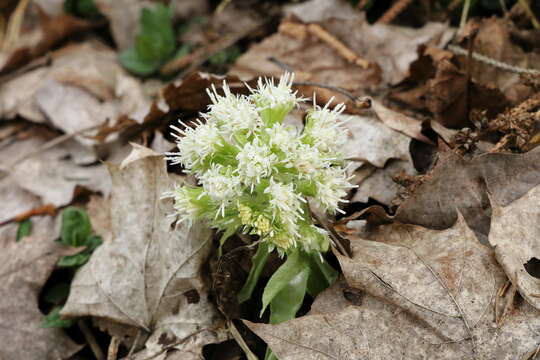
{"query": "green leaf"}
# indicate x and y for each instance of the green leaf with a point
(74, 260)
(182, 51)
(259, 260)
(53, 320)
(25, 228)
(269, 354)
(288, 301)
(155, 40)
(57, 294)
(321, 275)
(133, 63)
(286, 272)
(76, 227)
(225, 56)
(93, 242)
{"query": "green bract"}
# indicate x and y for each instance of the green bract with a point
(256, 174)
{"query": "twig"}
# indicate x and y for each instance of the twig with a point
(240, 341)
(112, 352)
(91, 340)
(135, 342)
(509, 304)
(48, 209)
(495, 63)
(337, 45)
(464, 14)
(525, 5)
(14, 26)
(396, 9)
(500, 294)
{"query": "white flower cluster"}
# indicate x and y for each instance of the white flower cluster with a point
(255, 173)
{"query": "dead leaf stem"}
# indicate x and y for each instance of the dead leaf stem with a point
(396, 9)
(91, 340)
(112, 352)
(337, 45)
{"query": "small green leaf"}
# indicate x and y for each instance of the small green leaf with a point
(76, 227)
(53, 320)
(225, 56)
(93, 242)
(155, 40)
(259, 260)
(25, 228)
(269, 354)
(286, 272)
(74, 260)
(288, 301)
(321, 275)
(133, 63)
(57, 294)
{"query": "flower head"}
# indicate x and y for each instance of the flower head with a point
(255, 173)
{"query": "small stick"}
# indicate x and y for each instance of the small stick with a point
(134, 345)
(48, 209)
(337, 45)
(91, 340)
(396, 9)
(112, 352)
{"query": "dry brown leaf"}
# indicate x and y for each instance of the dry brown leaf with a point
(84, 87)
(32, 177)
(48, 33)
(392, 48)
(372, 141)
(446, 279)
(24, 268)
(515, 236)
(493, 40)
(380, 185)
(150, 275)
(457, 184)
(400, 122)
(378, 329)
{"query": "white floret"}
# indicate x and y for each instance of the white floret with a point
(195, 145)
(232, 113)
(332, 187)
(325, 129)
(221, 185)
(255, 161)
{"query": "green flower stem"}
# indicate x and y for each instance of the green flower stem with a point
(259, 260)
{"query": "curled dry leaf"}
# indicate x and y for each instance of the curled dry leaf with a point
(380, 184)
(51, 175)
(458, 184)
(24, 268)
(428, 295)
(372, 141)
(83, 88)
(151, 274)
(515, 236)
(37, 41)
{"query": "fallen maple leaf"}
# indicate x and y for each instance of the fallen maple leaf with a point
(429, 294)
(150, 274)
